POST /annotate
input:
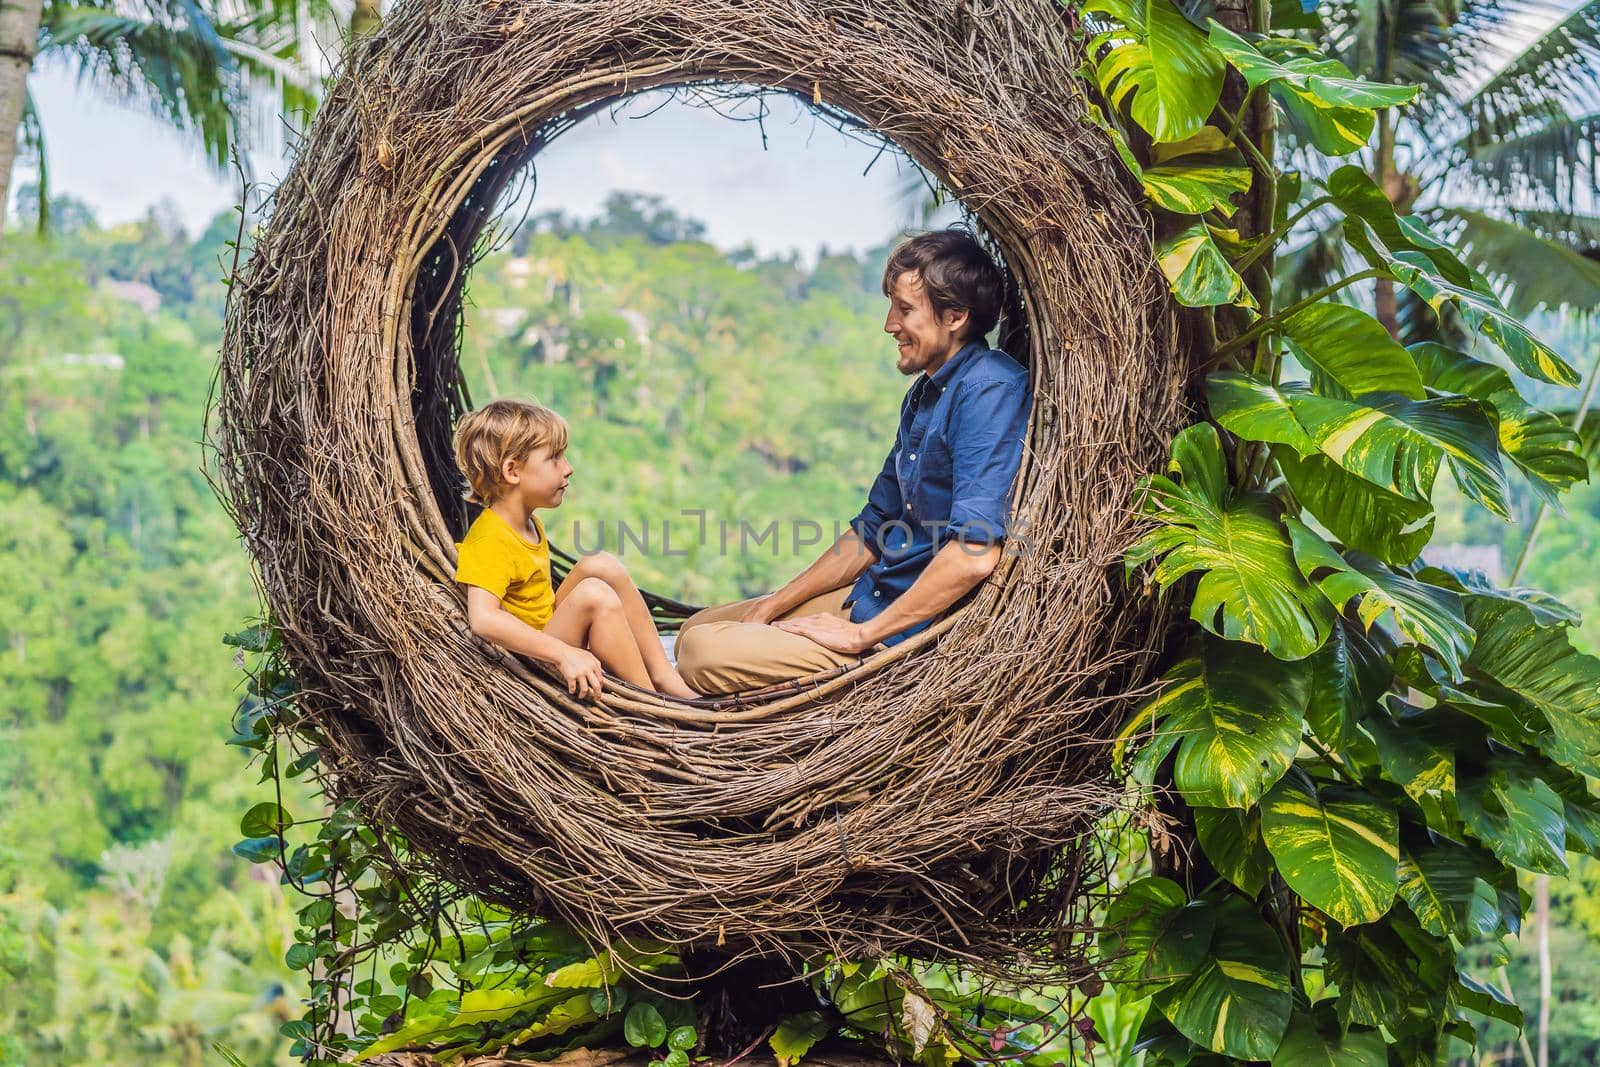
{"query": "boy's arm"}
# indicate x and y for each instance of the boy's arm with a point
(579, 668)
(839, 565)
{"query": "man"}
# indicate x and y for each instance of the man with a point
(935, 518)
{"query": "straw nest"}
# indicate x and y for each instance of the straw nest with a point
(931, 800)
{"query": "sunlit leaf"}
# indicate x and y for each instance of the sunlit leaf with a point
(1198, 272)
(1353, 349)
(1163, 62)
(1234, 714)
(1545, 450)
(1335, 846)
(1426, 614)
(1249, 588)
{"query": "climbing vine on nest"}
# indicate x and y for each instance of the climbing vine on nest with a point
(1364, 749)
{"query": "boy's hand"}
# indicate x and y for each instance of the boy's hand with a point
(583, 674)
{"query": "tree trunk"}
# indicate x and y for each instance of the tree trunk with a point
(19, 37)
(1541, 919)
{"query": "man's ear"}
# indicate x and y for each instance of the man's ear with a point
(956, 319)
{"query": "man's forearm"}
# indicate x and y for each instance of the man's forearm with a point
(842, 563)
(953, 572)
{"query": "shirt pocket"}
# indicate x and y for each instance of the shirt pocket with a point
(930, 480)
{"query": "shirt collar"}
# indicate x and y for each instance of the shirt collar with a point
(944, 374)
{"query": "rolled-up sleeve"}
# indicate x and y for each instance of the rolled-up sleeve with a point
(883, 504)
(988, 424)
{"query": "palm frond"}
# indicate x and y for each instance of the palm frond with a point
(169, 59)
(1533, 272)
(1547, 164)
(1579, 230)
(1558, 69)
(30, 139)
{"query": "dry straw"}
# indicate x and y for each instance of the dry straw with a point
(931, 800)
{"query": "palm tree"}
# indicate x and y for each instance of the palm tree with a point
(194, 62)
(1498, 153)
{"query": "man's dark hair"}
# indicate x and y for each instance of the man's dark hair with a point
(956, 273)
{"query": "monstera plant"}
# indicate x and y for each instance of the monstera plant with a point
(1363, 750)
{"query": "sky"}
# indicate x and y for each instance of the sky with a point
(807, 187)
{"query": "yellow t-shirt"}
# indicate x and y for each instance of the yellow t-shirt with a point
(495, 557)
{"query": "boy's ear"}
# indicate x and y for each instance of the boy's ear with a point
(510, 472)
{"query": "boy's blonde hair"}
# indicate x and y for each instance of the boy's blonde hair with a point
(498, 431)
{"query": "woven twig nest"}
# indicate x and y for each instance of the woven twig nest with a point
(918, 802)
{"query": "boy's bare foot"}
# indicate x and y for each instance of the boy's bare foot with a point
(672, 684)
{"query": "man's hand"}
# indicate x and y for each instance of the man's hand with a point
(582, 672)
(829, 631)
(760, 611)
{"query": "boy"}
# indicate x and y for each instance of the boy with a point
(514, 457)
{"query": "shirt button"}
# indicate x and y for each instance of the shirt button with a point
(913, 457)
(877, 592)
(908, 507)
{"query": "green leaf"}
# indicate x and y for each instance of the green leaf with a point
(258, 849)
(1449, 888)
(1256, 410)
(1391, 974)
(1298, 64)
(1416, 752)
(1354, 349)
(643, 1026)
(1388, 440)
(1515, 812)
(1249, 588)
(1335, 846)
(264, 820)
(1163, 61)
(1476, 303)
(1486, 999)
(1238, 1002)
(1305, 1044)
(1398, 443)
(1537, 665)
(1360, 514)
(1193, 185)
(1200, 275)
(1231, 840)
(1154, 936)
(300, 956)
(1348, 676)
(1545, 450)
(1329, 103)
(1355, 193)
(1425, 614)
(682, 1038)
(1235, 714)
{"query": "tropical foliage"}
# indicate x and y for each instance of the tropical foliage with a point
(1365, 748)
(199, 64)
(1497, 153)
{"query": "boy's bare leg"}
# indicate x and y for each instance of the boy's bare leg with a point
(591, 617)
(664, 677)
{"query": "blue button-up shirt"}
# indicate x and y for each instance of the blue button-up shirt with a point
(948, 476)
